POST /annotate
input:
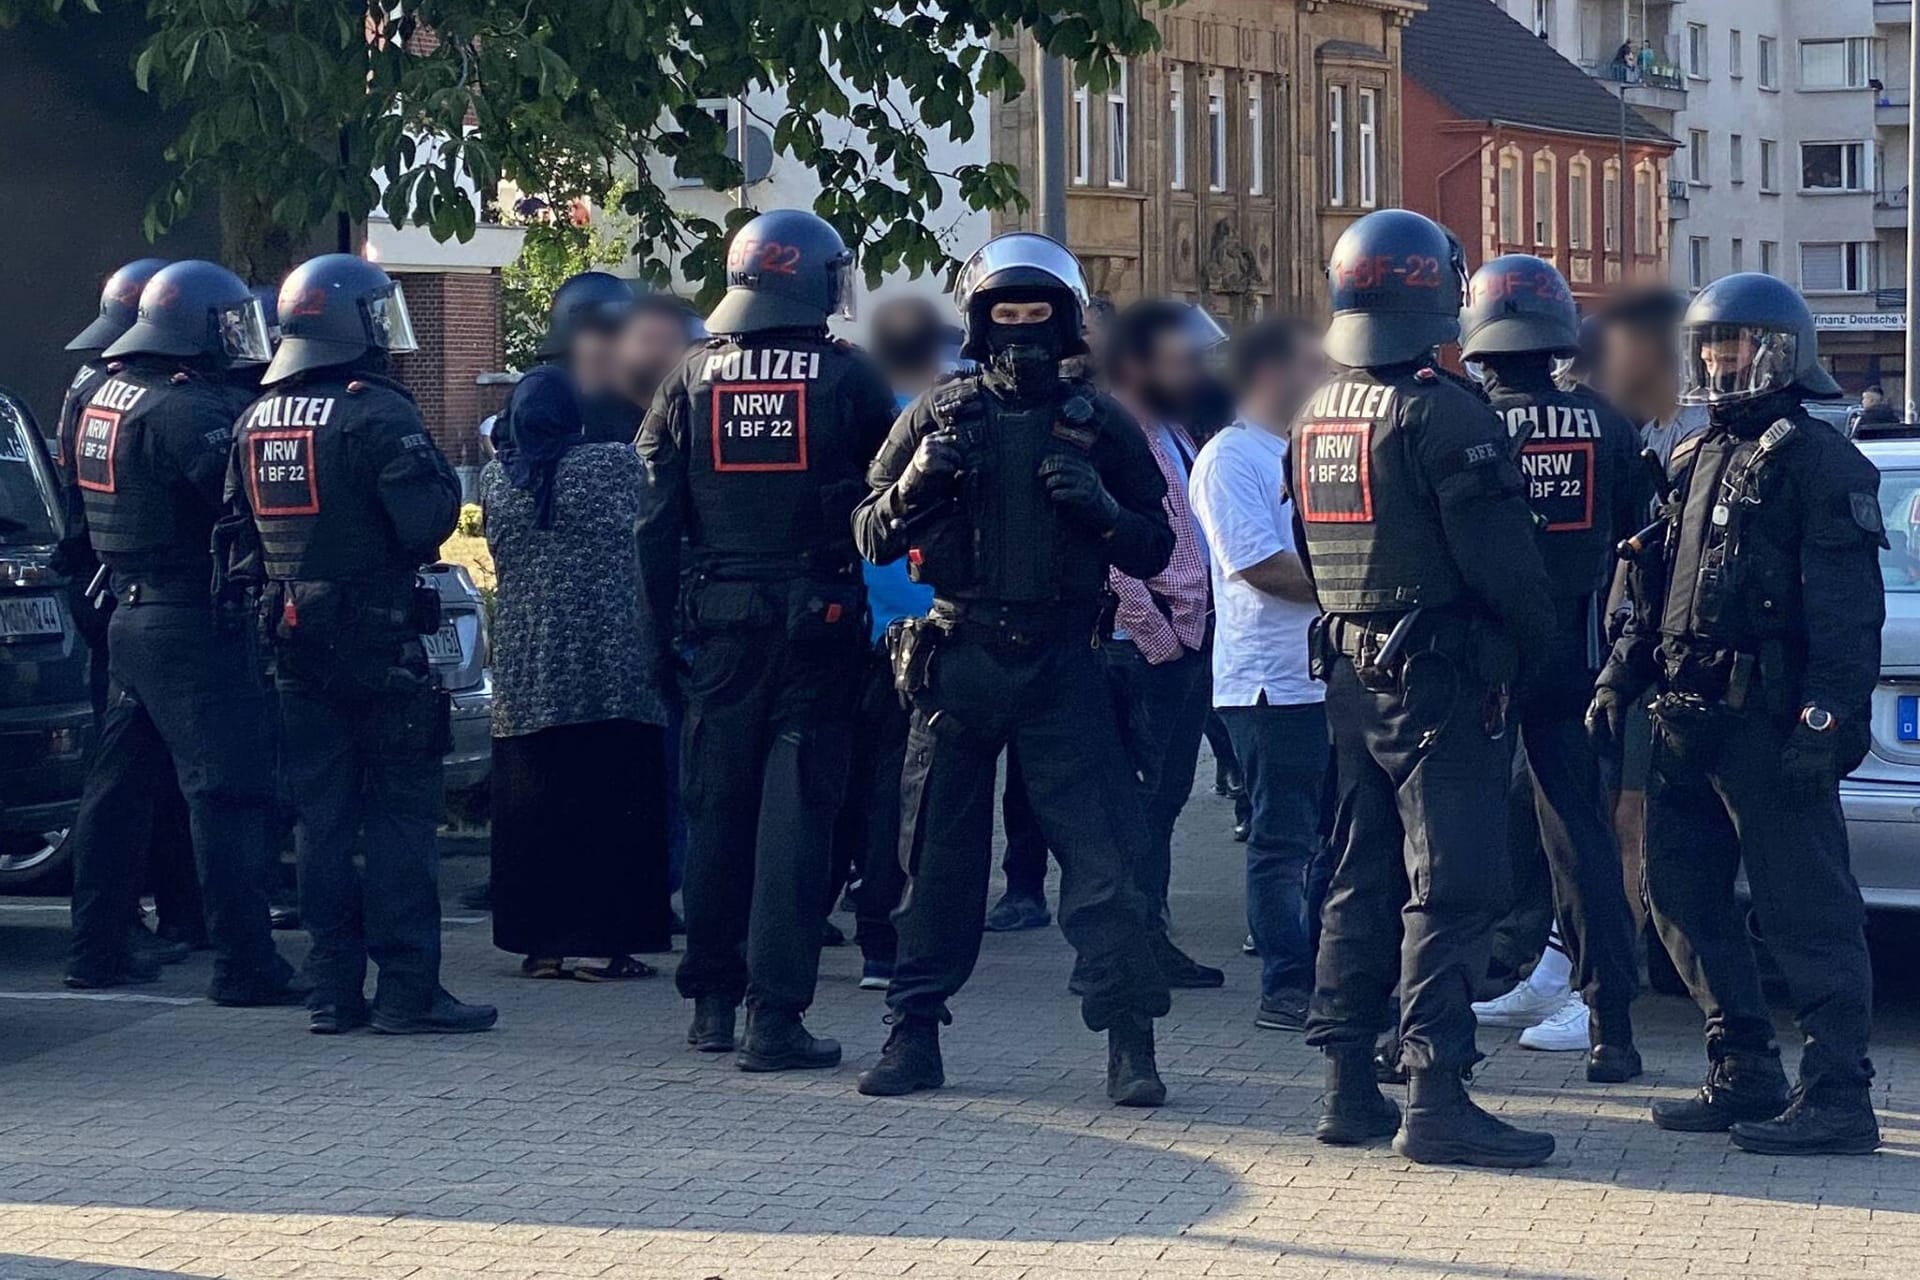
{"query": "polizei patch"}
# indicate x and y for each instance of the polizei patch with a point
(280, 473)
(93, 446)
(1336, 473)
(759, 426)
(1560, 482)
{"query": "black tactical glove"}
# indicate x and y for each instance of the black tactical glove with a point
(1607, 717)
(1809, 764)
(932, 468)
(1073, 483)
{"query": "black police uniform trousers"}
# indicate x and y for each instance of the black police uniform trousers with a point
(1162, 709)
(1421, 868)
(866, 837)
(764, 757)
(1048, 698)
(1715, 801)
(1576, 829)
(184, 700)
(362, 764)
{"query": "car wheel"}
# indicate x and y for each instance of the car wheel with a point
(36, 862)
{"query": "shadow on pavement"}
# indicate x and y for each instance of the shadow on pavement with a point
(17, 1266)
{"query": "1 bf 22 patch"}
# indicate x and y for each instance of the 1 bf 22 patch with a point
(1336, 472)
(1560, 483)
(280, 473)
(759, 426)
(93, 448)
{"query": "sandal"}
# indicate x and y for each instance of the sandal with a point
(616, 969)
(548, 967)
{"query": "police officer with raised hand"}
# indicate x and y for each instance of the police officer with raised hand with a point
(1422, 551)
(1013, 492)
(754, 452)
(149, 458)
(338, 496)
(1758, 609)
(1588, 491)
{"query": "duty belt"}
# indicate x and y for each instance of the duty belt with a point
(1015, 624)
(134, 592)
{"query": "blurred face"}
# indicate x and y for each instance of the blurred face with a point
(590, 359)
(1639, 369)
(1020, 312)
(647, 350)
(1274, 397)
(1170, 374)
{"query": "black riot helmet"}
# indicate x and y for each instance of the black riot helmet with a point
(1749, 335)
(269, 309)
(1518, 305)
(1022, 266)
(119, 305)
(334, 309)
(585, 300)
(787, 269)
(197, 311)
(1397, 280)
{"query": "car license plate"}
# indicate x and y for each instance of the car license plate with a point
(1906, 718)
(443, 646)
(29, 617)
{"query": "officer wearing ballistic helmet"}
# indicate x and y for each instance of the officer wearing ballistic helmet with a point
(754, 450)
(1422, 552)
(1757, 612)
(149, 457)
(337, 494)
(1013, 491)
(1588, 491)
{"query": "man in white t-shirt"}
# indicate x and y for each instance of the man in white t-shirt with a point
(1263, 603)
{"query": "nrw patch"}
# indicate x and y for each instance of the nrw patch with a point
(1560, 482)
(759, 426)
(93, 448)
(1336, 472)
(280, 473)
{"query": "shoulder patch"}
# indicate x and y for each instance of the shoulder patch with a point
(1424, 374)
(1866, 511)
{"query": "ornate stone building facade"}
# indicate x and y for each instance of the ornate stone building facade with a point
(1223, 167)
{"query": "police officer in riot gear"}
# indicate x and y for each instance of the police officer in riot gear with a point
(1758, 607)
(754, 450)
(1013, 491)
(1422, 551)
(149, 457)
(1588, 491)
(338, 494)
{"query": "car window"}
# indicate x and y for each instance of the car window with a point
(1900, 509)
(26, 488)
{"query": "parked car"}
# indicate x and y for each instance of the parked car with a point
(46, 713)
(461, 654)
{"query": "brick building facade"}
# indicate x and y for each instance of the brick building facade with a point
(456, 315)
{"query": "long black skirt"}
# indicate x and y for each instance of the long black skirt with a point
(580, 841)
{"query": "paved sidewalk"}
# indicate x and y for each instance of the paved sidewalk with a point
(159, 1138)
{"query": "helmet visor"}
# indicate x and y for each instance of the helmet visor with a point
(244, 337)
(389, 327)
(846, 290)
(1725, 363)
(1015, 250)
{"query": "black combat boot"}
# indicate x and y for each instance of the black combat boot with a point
(778, 1041)
(909, 1063)
(712, 1029)
(1612, 1059)
(1354, 1110)
(1742, 1084)
(1818, 1121)
(443, 1016)
(1444, 1126)
(1133, 1078)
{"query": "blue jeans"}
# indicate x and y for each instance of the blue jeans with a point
(1283, 754)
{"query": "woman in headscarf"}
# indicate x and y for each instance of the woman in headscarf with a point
(579, 793)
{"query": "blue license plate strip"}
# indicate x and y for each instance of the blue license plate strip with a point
(1907, 718)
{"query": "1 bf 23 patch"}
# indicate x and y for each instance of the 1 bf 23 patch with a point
(1336, 472)
(93, 449)
(1560, 482)
(280, 473)
(759, 426)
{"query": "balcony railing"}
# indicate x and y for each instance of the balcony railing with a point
(1677, 189)
(1890, 199)
(1661, 75)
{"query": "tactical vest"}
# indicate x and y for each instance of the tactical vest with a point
(141, 514)
(1374, 537)
(1561, 450)
(1728, 585)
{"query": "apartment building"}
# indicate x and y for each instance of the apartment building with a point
(1792, 115)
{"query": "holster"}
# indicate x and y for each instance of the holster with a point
(910, 646)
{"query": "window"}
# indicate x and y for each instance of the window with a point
(1256, 136)
(1645, 205)
(1697, 156)
(1769, 165)
(1579, 204)
(1698, 249)
(1369, 148)
(1543, 18)
(1544, 180)
(1834, 64)
(1216, 131)
(1833, 166)
(1509, 197)
(1769, 62)
(1770, 257)
(1736, 158)
(1082, 135)
(1119, 132)
(1697, 50)
(1836, 268)
(1336, 144)
(1610, 206)
(1735, 67)
(1177, 126)
(1738, 259)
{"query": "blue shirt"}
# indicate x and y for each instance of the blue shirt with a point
(890, 592)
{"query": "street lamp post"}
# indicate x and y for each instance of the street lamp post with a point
(1050, 106)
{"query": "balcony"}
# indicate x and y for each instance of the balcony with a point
(1890, 111)
(1678, 196)
(1890, 210)
(1659, 87)
(1892, 13)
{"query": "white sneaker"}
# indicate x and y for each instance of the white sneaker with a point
(1564, 1032)
(1521, 1007)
